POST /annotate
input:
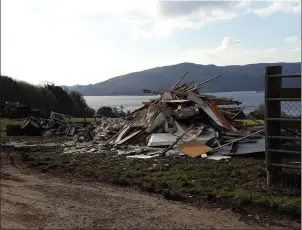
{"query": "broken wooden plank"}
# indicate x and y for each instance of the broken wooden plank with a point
(222, 119)
(202, 83)
(176, 84)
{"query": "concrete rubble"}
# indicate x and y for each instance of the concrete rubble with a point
(165, 126)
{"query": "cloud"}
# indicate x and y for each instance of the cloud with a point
(270, 50)
(295, 50)
(291, 39)
(240, 56)
(77, 41)
(181, 8)
(176, 15)
(278, 6)
(227, 42)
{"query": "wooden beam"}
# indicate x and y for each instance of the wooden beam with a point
(290, 93)
(272, 109)
(176, 84)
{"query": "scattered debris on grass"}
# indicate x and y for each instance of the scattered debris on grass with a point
(57, 125)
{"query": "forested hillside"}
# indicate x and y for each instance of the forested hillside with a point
(46, 98)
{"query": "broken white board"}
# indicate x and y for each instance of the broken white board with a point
(217, 157)
(161, 139)
(156, 122)
(122, 134)
(142, 156)
(128, 137)
(195, 133)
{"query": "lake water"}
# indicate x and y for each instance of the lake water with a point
(250, 98)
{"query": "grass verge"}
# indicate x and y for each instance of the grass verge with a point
(252, 122)
(237, 183)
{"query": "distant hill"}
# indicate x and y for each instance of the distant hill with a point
(234, 78)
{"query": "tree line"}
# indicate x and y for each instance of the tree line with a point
(113, 112)
(46, 98)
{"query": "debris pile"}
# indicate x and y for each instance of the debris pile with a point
(109, 127)
(16, 110)
(57, 125)
(181, 116)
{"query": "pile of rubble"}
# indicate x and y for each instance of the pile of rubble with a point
(16, 110)
(184, 122)
(57, 125)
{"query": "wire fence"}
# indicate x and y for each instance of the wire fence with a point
(282, 122)
(291, 109)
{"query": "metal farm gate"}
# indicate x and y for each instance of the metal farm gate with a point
(282, 122)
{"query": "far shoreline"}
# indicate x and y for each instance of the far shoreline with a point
(149, 95)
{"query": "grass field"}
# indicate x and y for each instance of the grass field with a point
(252, 122)
(80, 119)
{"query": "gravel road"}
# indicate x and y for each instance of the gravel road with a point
(30, 200)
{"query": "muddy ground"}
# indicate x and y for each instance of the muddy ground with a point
(32, 200)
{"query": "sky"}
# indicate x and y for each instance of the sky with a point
(69, 42)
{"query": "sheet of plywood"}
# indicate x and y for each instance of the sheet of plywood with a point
(194, 148)
(161, 139)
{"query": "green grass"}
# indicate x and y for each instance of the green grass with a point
(5, 122)
(80, 119)
(252, 122)
(240, 182)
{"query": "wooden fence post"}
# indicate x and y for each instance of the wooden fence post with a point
(272, 110)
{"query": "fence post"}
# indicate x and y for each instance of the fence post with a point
(0, 122)
(272, 110)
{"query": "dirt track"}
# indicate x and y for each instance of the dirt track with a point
(29, 200)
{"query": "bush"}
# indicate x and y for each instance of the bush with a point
(114, 112)
(259, 112)
(105, 111)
